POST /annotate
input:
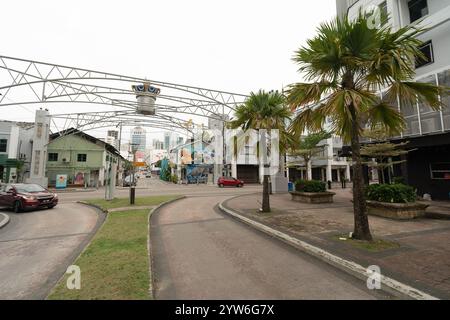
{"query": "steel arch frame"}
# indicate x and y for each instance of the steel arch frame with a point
(74, 85)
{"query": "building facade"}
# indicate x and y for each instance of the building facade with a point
(83, 158)
(16, 143)
(139, 139)
(428, 131)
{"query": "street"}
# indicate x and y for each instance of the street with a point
(37, 247)
(199, 253)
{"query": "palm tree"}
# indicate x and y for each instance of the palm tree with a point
(345, 65)
(264, 110)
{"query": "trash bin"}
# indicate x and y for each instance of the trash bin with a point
(290, 186)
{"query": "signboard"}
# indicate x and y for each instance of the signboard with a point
(139, 164)
(61, 181)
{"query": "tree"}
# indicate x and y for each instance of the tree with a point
(307, 148)
(344, 67)
(264, 110)
(382, 151)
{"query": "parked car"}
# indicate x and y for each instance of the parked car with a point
(26, 196)
(128, 181)
(229, 182)
(148, 175)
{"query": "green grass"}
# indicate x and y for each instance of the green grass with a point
(115, 266)
(376, 245)
(125, 202)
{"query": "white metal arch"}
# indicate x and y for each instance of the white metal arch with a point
(27, 82)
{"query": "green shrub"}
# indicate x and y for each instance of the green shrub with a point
(174, 178)
(310, 186)
(393, 193)
(398, 180)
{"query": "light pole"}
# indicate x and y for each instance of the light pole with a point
(132, 182)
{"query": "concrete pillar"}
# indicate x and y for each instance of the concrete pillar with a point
(347, 172)
(234, 169)
(309, 171)
(39, 153)
(329, 172)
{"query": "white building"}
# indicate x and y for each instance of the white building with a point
(428, 131)
(139, 139)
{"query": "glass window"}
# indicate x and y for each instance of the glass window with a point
(444, 80)
(3, 145)
(427, 51)
(430, 120)
(52, 157)
(417, 9)
(409, 111)
(440, 171)
(81, 157)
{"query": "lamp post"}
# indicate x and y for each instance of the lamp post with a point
(132, 182)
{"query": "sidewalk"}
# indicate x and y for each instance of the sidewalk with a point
(415, 252)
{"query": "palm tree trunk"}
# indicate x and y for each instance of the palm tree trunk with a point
(266, 197)
(361, 228)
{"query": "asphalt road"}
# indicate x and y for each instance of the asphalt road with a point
(198, 253)
(37, 247)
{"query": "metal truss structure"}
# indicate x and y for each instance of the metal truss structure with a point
(27, 82)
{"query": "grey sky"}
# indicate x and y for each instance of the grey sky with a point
(237, 46)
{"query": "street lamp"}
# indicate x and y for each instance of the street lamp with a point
(132, 182)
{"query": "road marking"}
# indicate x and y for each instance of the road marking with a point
(47, 237)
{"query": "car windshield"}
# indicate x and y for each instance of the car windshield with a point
(28, 188)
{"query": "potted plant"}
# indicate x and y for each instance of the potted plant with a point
(395, 201)
(311, 191)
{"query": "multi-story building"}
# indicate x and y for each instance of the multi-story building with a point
(139, 139)
(112, 137)
(16, 144)
(428, 131)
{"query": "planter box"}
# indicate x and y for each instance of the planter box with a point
(399, 211)
(312, 197)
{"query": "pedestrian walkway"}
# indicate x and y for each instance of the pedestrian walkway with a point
(418, 253)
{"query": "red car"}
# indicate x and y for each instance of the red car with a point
(26, 196)
(229, 182)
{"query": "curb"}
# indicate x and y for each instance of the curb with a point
(392, 286)
(149, 247)
(5, 220)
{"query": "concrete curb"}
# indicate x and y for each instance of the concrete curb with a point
(4, 221)
(149, 246)
(390, 285)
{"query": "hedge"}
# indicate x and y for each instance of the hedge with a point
(393, 193)
(310, 186)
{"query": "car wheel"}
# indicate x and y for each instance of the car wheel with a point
(17, 206)
(51, 207)
(221, 185)
(240, 186)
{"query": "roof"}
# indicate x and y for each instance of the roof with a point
(76, 132)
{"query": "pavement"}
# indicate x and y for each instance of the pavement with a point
(420, 259)
(37, 247)
(199, 253)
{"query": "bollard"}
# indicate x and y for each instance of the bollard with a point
(132, 194)
(329, 184)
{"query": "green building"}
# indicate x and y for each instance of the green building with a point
(83, 158)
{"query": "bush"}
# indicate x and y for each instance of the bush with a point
(399, 180)
(310, 186)
(174, 178)
(393, 193)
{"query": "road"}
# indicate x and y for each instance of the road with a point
(198, 253)
(37, 247)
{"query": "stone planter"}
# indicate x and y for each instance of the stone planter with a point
(312, 197)
(399, 211)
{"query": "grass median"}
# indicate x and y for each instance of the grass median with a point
(115, 266)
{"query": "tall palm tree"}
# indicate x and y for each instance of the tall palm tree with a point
(264, 110)
(345, 65)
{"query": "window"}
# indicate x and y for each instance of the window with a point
(427, 51)
(81, 157)
(440, 171)
(383, 13)
(52, 157)
(417, 9)
(3, 144)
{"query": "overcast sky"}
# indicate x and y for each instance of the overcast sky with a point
(233, 45)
